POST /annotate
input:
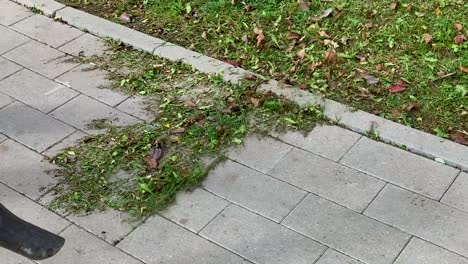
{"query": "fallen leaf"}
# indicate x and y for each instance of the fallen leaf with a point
(330, 57)
(459, 39)
(304, 4)
(301, 54)
(233, 63)
(125, 18)
(155, 152)
(395, 113)
(293, 35)
(327, 13)
(458, 26)
(233, 2)
(190, 104)
(440, 73)
(255, 101)
(427, 38)
(409, 8)
(370, 79)
(463, 69)
(151, 163)
(438, 11)
(393, 5)
(260, 36)
(179, 130)
(397, 88)
(203, 35)
(413, 106)
(460, 139)
(378, 67)
(324, 34)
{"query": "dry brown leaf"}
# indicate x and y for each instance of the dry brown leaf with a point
(378, 67)
(151, 163)
(458, 26)
(330, 57)
(427, 38)
(203, 35)
(393, 5)
(301, 54)
(463, 69)
(190, 104)
(304, 4)
(260, 36)
(409, 8)
(324, 34)
(293, 35)
(255, 101)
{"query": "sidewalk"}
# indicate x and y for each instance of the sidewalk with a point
(333, 197)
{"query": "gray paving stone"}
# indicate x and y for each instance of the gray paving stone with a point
(24, 170)
(92, 82)
(421, 252)
(7, 68)
(137, 106)
(159, 241)
(298, 96)
(260, 240)
(86, 45)
(328, 179)
(2, 138)
(260, 153)
(12, 258)
(42, 59)
(70, 141)
(84, 248)
(457, 195)
(46, 201)
(36, 90)
(353, 234)
(331, 142)
(46, 30)
(31, 127)
(110, 225)
(414, 140)
(334, 257)
(31, 211)
(12, 13)
(5, 100)
(104, 28)
(82, 111)
(193, 210)
(422, 217)
(10, 39)
(48, 7)
(400, 167)
(251, 189)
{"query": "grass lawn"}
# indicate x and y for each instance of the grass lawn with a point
(404, 60)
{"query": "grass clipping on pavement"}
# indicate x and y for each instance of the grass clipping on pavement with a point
(140, 168)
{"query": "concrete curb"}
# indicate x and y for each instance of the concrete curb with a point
(422, 143)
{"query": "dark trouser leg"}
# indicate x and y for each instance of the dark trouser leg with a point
(27, 239)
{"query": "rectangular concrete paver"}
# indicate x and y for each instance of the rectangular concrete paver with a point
(334, 257)
(10, 39)
(69, 141)
(260, 153)
(5, 100)
(12, 12)
(83, 110)
(85, 45)
(110, 225)
(30, 211)
(41, 59)
(251, 189)
(421, 252)
(400, 167)
(31, 127)
(46, 30)
(7, 68)
(84, 248)
(137, 106)
(48, 7)
(24, 170)
(92, 82)
(193, 210)
(415, 214)
(36, 90)
(457, 195)
(331, 142)
(328, 179)
(347, 231)
(260, 240)
(159, 241)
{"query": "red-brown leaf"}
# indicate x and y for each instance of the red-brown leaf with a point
(427, 38)
(397, 88)
(233, 63)
(463, 69)
(459, 39)
(151, 163)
